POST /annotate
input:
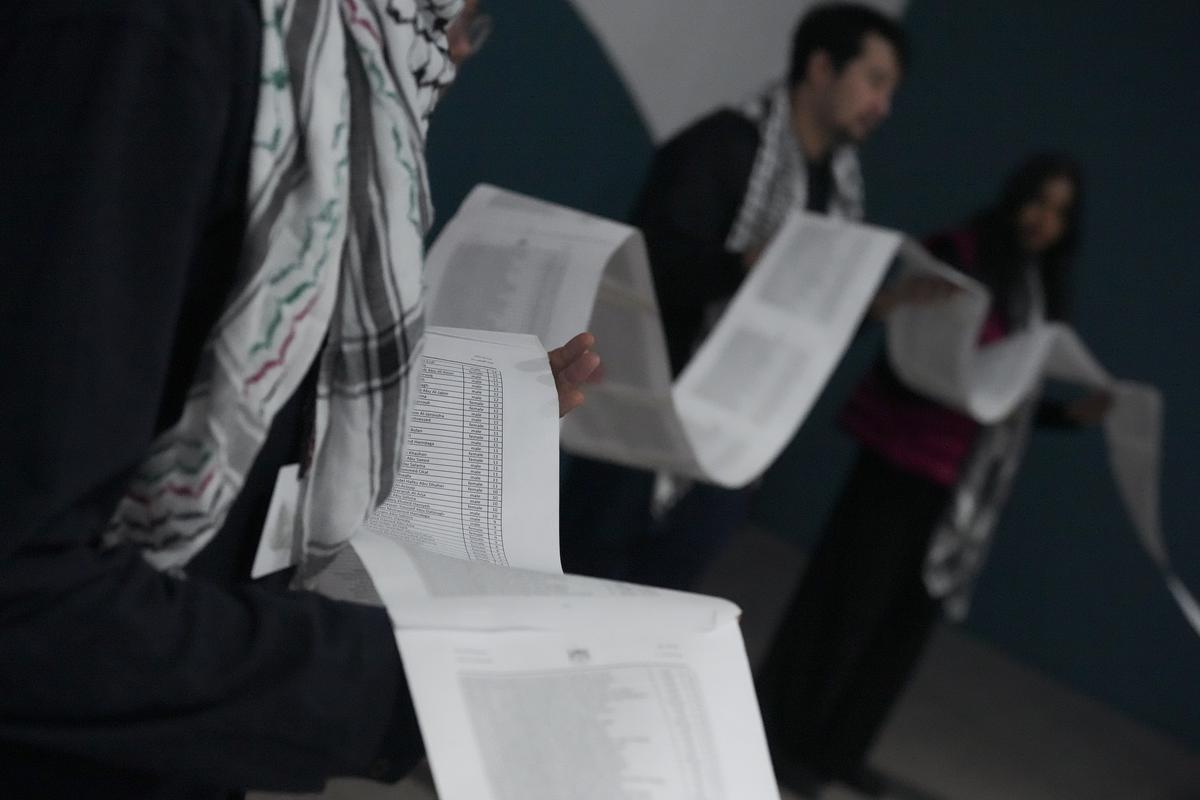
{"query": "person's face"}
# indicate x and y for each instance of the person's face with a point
(1042, 221)
(859, 97)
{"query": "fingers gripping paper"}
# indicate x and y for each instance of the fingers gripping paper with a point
(530, 684)
(476, 480)
(552, 272)
(933, 349)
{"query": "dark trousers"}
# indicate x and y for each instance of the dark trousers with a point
(604, 511)
(682, 544)
(607, 531)
(857, 625)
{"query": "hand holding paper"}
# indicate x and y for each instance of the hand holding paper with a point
(527, 682)
(546, 270)
(573, 365)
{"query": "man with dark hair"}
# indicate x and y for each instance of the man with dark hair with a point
(716, 194)
(839, 30)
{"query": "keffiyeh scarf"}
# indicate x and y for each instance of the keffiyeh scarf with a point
(778, 183)
(963, 537)
(779, 178)
(330, 277)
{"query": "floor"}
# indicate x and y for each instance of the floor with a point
(974, 724)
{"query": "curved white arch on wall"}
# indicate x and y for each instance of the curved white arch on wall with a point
(681, 58)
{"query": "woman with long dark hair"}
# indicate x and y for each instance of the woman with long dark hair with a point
(909, 532)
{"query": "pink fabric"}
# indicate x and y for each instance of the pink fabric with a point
(908, 429)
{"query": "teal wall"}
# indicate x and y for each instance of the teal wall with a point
(539, 110)
(1067, 588)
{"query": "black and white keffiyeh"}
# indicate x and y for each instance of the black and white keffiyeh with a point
(331, 270)
(779, 178)
(963, 536)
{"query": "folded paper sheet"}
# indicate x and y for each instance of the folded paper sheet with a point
(542, 269)
(529, 683)
(934, 350)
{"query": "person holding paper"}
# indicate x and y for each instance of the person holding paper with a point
(211, 229)
(910, 529)
(715, 196)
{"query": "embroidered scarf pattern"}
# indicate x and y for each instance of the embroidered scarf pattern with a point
(330, 276)
(779, 178)
(962, 538)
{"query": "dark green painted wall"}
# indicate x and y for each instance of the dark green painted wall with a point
(539, 110)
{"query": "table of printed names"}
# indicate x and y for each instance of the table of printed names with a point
(453, 465)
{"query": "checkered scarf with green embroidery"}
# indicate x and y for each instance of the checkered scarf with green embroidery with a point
(330, 275)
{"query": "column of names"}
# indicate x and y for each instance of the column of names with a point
(454, 461)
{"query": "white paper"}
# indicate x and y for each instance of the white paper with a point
(756, 377)
(529, 683)
(431, 591)
(520, 266)
(478, 476)
(535, 685)
(553, 272)
(933, 349)
(588, 713)
(275, 550)
(403, 572)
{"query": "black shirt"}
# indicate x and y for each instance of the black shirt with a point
(820, 185)
(688, 205)
(125, 132)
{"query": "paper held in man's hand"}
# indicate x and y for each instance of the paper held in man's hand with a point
(543, 269)
(530, 684)
(553, 271)
(482, 412)
(554, 714)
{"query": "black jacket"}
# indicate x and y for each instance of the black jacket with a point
(125, 133)
(688, 205)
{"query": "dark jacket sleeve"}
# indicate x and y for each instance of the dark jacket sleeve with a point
(111, 131)
(692, 195)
